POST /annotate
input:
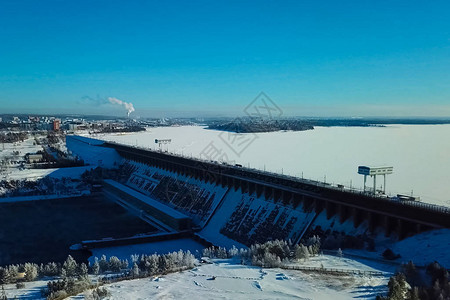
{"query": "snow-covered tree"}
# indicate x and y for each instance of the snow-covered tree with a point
(124, 264)
(188, 259)
(162, 264)
(271, 260)
(83, 271)
(233, 251)
(5, 276)
(95, 268)
(206, 252)
(114, 264)
(134, 258)
(50, 269)
(398, 287)
(31, 271)
(103, 263)
(151, 267)
(70, 267)
(222, 252)
(3, 294)
(180, 257)
(13, 271)
(135, 270)
(301, 252)
(171, 259)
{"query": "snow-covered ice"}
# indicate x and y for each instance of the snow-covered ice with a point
(418, 153)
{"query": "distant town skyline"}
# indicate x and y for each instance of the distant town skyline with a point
(200, 58)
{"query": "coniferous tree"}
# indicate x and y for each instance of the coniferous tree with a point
(414, 294)
(95, 268)
(83, 271)
(134, 258)
(13, 271)
(188, 259)
(162, 264)
(170, 260)
(233, 251)
(152, 267)
(31, 271)
(397, 287)
(302, 252)
(3, 295)
(5, 276)
(114, 264)
(124, 264)
(103, 263)
(70, 267)
(135, 270)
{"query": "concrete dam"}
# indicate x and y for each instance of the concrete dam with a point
(231, 205)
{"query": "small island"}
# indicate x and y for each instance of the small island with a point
(260, 125)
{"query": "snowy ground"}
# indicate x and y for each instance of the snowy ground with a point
(32, 290)
(12, 167)
(12, 170)
(27, 146)
(331, 152)
(234, 281)
(422, 249)
(34, 174)
(344, 263)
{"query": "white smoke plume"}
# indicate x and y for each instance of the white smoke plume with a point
(128, 106)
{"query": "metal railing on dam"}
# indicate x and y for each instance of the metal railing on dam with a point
(429, 215)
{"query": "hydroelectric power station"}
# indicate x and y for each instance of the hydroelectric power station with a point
(230, 205)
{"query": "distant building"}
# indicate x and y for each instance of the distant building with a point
(33, 119)
(73, 126)
(27, 126)
(44, 126)
(56, 125)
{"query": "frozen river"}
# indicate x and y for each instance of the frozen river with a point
(420, 154)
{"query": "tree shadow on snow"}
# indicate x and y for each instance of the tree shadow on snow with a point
(369, 292)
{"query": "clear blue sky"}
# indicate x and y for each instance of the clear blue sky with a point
(313, 58)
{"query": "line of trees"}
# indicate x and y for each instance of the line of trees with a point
(271, 254)
(411, 283)
(12, 137)
(28, 272)
(148, 265)
(74, 279)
